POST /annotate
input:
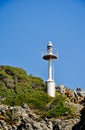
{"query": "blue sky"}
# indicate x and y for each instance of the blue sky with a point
(26, 26)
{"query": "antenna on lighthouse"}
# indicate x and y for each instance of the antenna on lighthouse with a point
(50, 84)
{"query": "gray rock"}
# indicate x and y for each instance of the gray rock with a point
(27, 120)
(60, 88)
(80, 92)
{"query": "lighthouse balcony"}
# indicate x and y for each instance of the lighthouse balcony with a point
(47, 56)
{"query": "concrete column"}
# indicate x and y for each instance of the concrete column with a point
(50, 69)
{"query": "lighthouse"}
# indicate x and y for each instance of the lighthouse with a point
(50, 56)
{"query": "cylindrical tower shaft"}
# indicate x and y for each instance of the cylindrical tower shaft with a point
(50, 75)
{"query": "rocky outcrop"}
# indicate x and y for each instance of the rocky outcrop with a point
(81, 124)
(76, 96)
(66, 124)
(80, 92)
(16, 88)
(23, 118)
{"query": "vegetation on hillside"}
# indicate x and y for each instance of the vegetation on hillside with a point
(17, 88)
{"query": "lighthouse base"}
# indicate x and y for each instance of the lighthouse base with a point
(50, 85)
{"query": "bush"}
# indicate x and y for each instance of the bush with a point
(58, 107)
(58, 110)
(11, 118)
(38, 100)
(30, 90)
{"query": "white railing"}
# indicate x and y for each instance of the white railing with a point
(54, 52)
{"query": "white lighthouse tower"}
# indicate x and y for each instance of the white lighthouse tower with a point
(50, 84)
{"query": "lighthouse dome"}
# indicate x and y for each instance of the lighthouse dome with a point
(49, 46)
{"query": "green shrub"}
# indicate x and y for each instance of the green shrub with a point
(11, 118)
(38, 100)
(30, 90)
(57, 107)
(58, 110)
(3, 74)
(2, 117)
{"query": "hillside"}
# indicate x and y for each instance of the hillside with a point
(17, 89)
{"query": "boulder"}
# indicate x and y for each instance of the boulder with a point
(80, 92)
(60, 88)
